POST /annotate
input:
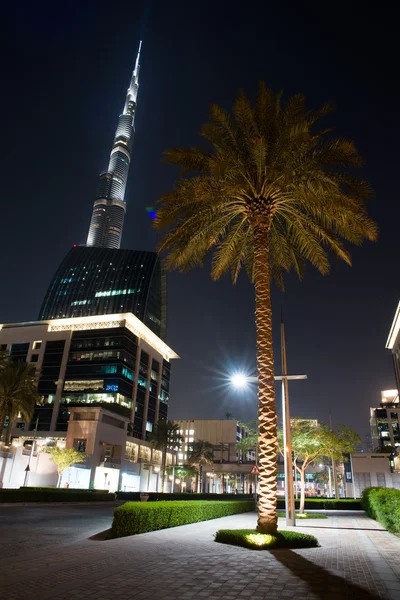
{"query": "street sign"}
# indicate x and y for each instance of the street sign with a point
(255, 470)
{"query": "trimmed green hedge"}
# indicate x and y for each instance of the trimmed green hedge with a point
(326, 504)
(252, 539)
(54, 495)
(383, 505)
(140, 517)
(156, 496)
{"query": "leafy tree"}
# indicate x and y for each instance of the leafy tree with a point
(270, 193)
(165, 437)
(18, 393)
(64, 458)
(182, 472)
(387, 448)
(201, 453)
(312, 442)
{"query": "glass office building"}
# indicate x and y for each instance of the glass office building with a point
(100, 281)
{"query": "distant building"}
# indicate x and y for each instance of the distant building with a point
(393, 344)
(231, 468)
(385, 421)
(111, 362)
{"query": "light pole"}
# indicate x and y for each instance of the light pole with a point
(28, 466)
(240, 380)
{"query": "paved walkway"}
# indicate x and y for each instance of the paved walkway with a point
(358, 559)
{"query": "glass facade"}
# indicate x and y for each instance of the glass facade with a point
(99, 281)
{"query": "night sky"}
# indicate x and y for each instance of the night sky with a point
(66, 67)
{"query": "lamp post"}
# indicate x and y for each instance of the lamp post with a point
(240, 380)
(28, 466)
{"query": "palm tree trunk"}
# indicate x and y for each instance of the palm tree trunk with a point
(2, 423)
(267, 435)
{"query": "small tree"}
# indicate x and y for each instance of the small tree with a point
(64, 458)
(18, 393)
(181, 472)
(312, 442)
(201, 453)
(165, 437)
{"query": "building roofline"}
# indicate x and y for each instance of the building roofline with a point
(394, 330)
(128, 320)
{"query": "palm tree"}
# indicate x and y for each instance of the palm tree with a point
(18, 394)
(270, 194)
(165, 437)
(201, 453)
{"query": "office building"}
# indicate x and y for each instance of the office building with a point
(109, 370)
(393, 344)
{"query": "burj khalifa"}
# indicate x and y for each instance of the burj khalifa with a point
(100, 277)
(110, 207)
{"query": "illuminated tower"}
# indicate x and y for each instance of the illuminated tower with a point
(109, 208)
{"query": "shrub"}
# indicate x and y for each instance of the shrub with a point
(156, 496)
(54, 495)
(383, 505)
(140, 517)
(252, 539)
(326, 504)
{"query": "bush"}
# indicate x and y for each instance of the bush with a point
(326, 504)
(156, 496)
(140, 517)
(54, 495)
(383, 505)
(252, 539)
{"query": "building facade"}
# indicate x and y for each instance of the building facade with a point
(111, 360)
(230, 471)
(393, 344)
(109, 208)
(100, 281)
(385, 421)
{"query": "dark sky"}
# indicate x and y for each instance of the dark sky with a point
(65, 70)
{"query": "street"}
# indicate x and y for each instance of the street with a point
(27, 529)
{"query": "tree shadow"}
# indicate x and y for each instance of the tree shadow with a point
(322, 582)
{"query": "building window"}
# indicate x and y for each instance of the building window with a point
(80, 445)
(149, 426)
(34, 357)
(36, 345)
(191, 431)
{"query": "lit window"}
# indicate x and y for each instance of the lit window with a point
(149, 426)
(187, 431)
(190, 439)
(180, 455)
(191, 432)
(36, 345)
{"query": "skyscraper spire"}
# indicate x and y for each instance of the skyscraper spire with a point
(109, 208)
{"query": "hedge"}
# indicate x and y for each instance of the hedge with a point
(54, 495)
(383, 505)
(326, 504)
(140, 517)
(252, 539)
(156, 496)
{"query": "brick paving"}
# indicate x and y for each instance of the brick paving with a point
(358, 559)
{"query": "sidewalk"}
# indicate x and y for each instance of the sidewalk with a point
(358, 559)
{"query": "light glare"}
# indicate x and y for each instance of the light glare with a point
(239, 380)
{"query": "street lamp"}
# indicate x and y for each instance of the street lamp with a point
(239, 380)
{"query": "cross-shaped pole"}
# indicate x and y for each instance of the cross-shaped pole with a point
(287, 440)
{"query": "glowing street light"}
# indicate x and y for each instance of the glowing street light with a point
(241, 380)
